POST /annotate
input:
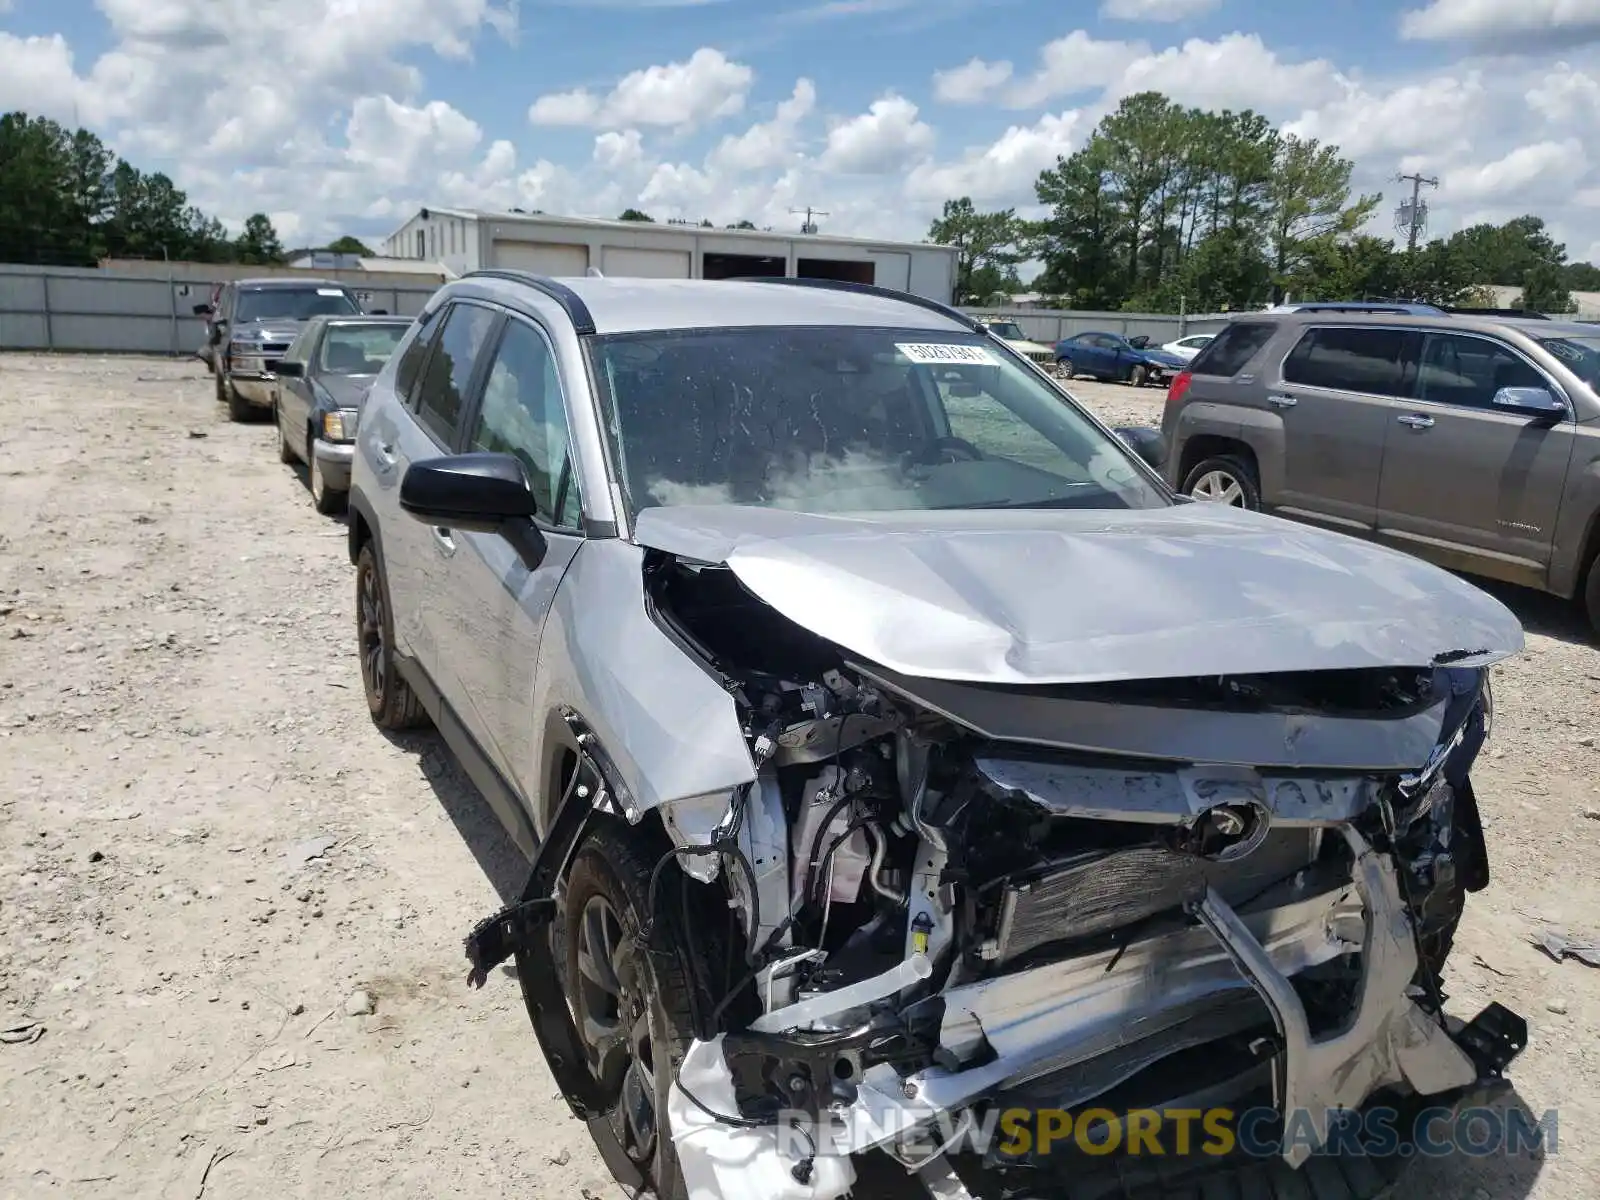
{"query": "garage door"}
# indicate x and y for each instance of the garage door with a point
(893, 270)
(542, 258)
(623, 262)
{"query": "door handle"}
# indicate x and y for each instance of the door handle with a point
(446, 543)
(1282, 401)
(1415, 420)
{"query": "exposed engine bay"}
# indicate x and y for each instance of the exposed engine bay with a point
(945, 906)
(936, 900)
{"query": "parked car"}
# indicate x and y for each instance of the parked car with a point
(321, 383)
(252, 324)
(1187, 347)
(892, 746)
(1115, 357)
(1467, 440)
(1011, 333)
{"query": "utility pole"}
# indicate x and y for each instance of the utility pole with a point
(810, 212)
(1414, 218)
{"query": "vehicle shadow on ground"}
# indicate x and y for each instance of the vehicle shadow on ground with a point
(497, 855)
(1542, 613)
(1507, 1166)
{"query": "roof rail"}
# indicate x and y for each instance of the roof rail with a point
(868, 289)
(571, 303)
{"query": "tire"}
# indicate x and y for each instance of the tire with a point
(286, 452)
(216, 381)
(1064, 368)
(605, 905)
(1138, 374)
(324, 499)
(1222, 475)
(239, 409)
(390, 700)
(1591, 595)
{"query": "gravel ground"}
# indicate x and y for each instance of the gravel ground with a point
(231, 909)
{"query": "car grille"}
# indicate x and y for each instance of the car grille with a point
(1041, 356)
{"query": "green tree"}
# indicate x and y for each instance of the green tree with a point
(633, 214)
(1544, 290)
(350, 245)
(1077, 240)
(1308, 206)
(1582, 277)
(989, 245)
(259, 244)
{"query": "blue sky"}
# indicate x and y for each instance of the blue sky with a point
(874, 110)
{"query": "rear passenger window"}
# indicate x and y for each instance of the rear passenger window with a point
(1348, 360)
(1469, 370)
(1228, 352)
(449, 369)
(409, 368)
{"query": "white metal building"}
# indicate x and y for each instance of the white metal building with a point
(465, 240)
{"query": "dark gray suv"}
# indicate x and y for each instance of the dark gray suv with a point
(1473, 442)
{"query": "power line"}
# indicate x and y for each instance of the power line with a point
(1413, 217)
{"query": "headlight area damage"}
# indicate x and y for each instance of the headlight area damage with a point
(950, 898)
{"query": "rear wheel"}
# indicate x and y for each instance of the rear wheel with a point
(1224, 480)
(631, 996)
(1591, 595)
(390, 700)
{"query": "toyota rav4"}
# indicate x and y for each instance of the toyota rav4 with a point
(893, 749)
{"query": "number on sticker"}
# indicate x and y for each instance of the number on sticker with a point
(946, 352)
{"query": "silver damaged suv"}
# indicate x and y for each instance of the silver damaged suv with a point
(894, 750)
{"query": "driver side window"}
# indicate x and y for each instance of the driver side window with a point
(522, 414)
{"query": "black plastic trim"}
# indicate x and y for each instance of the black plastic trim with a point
(571, 303)
(870, 289)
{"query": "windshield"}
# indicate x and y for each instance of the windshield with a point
(358, 349)
(1008, 331)
(849, 420)
(1580, 354)
(293, 304)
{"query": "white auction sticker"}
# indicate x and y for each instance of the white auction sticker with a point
(329, 292)
(947, 352)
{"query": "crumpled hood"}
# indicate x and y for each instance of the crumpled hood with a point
(1165, 357)
(1062, 596)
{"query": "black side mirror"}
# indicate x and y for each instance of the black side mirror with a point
(1147, 443)
(475, 493)
(380, 312)
(294, 369)
(203, 310)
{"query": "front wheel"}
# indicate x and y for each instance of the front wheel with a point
(286, 452)
(1138, 375)
(326, 500)
(239, 409)
(1224, 480)
(631, 996)
(1064, 368)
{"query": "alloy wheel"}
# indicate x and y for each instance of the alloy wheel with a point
(1219, 487)
(371, 637)
(614, 1011)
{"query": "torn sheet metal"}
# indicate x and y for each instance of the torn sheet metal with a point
(1559, 945)
(1078, 596)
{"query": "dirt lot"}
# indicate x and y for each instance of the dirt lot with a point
(207, 850)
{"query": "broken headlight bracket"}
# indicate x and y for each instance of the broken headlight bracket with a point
(813, 1071)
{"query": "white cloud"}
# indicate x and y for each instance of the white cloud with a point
(1547, 21)
(769, 143)
(1509, 177)
(1236, 71)
(616, 149)
(37, 76)
(1156, 10)
(971, 82)
(1004, 172)
(883, 140)
(1565, 93)
(705, 87)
